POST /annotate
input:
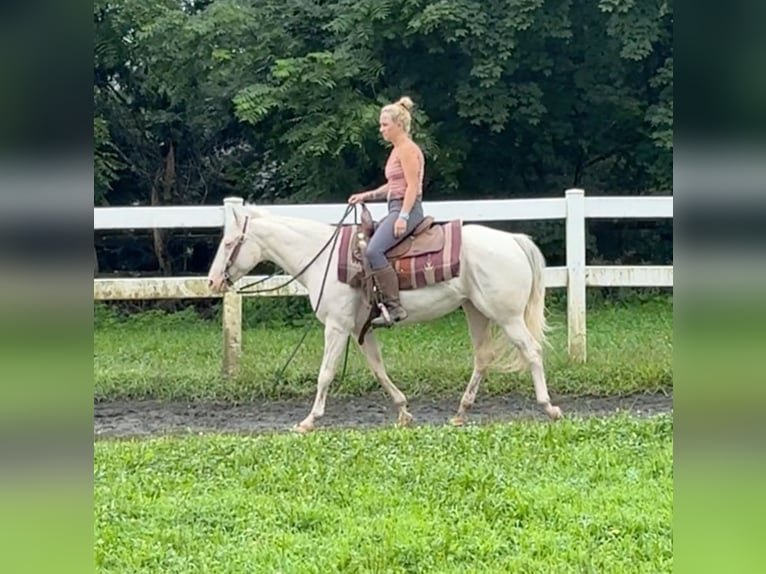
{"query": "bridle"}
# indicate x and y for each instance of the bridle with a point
(234, 253)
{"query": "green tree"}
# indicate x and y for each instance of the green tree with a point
(278, 101)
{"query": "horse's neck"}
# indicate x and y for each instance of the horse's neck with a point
(293, 243)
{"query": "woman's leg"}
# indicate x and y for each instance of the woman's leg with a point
(383, 239)
(384, 274)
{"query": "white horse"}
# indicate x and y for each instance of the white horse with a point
(501, 284)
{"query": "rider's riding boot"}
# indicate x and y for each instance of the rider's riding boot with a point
(388, 285)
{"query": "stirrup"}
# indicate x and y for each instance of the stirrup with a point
(384, 320)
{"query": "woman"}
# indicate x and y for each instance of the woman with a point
(404, 193)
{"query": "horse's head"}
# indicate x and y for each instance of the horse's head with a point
(236, 255)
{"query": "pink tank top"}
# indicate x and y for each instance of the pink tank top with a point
(397, 183)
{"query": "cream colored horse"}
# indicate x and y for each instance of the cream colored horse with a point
(501, 284)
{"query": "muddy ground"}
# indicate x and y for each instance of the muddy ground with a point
(148, 418)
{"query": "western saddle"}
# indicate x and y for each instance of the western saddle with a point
(425, 238)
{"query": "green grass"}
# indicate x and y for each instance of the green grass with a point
(575, 496)
(178, 356)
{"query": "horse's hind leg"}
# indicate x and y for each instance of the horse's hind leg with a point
(334, 339)
(371, 352)
(531, 350)
(478, 325)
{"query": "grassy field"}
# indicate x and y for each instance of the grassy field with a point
(178, 356)
(576, 496)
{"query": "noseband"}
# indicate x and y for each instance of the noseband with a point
(234, 253)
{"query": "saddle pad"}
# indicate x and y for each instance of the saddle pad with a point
(348, 267)
(413, 272)
(430, 268)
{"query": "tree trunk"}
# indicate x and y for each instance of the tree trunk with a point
(167, 177)
(161, 194)
(158, 235)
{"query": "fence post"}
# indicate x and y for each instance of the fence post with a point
(575, 248)
(232, 305)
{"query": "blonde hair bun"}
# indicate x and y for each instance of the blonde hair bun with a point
(399, 111)
(406, 102)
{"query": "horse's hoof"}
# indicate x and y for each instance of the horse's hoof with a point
(405, 420)
(554, 412)
(301, 428)
(458, 421)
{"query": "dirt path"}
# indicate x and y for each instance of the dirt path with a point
(147, 418)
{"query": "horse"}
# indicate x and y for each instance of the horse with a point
(499, 285)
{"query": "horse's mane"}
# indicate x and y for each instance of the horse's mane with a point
(256, 210)
(259, 211)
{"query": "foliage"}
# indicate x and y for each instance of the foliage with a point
(578, 496)
(105, 161)
(277, 100)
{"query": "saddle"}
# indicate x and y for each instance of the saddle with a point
(428, 255)
(425, 238)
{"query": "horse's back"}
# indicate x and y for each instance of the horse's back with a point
(481, 239)
(492, 254)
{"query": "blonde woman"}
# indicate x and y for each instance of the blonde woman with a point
(403, 191)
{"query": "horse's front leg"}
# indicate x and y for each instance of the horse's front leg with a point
(334, 340)
(371, 352)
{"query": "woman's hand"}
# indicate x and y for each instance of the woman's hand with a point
(400, 226)
(356, 198)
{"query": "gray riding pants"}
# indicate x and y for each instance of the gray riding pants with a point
(383, 239)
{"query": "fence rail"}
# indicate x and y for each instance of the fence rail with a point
(575, 276)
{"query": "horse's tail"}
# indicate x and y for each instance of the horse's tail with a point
(534, 313)
(495, 353)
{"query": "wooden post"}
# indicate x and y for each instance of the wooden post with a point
(232, 305)
(575, 248)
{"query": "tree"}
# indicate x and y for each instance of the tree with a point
(278, 101)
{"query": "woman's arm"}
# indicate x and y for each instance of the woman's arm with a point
(410, 159)
(376, 194)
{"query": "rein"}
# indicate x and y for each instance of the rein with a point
(334, 240)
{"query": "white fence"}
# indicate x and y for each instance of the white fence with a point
(576, 276)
